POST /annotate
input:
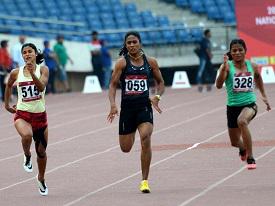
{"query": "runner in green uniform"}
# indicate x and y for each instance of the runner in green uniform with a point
(239, 76)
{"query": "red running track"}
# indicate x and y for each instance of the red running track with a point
(193, 162)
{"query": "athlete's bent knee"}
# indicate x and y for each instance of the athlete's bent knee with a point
(125, 149)
(242, 123)
(41, 155)
(26, 137)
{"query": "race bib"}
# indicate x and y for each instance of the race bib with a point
(243, 82)
(135, 84)
(29, 91)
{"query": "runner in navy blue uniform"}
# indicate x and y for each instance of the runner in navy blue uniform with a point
(133, 70)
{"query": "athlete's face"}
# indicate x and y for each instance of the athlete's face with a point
(28, 54)
(132, 44)
(238, 52)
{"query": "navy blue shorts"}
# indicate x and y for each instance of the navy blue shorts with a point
(233, 113)
(129, 119)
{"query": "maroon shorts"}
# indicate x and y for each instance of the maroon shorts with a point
(37, 120)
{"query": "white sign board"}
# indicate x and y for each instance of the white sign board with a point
(180, 80)
(91, 85)
(267, 74)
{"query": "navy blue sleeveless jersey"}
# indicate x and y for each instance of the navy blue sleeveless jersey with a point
(135, 84)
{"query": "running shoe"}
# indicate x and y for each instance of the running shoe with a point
(144, 186)
(242, 154)
(27, 163)
(43, 189)
(251, 163)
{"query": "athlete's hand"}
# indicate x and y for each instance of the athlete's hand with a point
(155, 102)
(225, 63)
(11, 109)
(30, 66)
(112, 114)
(267, 104)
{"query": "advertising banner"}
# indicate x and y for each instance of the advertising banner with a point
(256, 25)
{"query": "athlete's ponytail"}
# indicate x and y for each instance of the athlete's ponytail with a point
(123, 51)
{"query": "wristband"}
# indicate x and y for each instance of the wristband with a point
(158, 96)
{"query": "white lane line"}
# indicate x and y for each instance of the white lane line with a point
(187, 103)
(191, 119)
(136, 173)
(65, 140)
(62, 166)
(102, 114)
(152, 165)
(62, 124)
(53, 113)
(59, 125)
(109, 127)
(92, 155)
(213, 186)
(9, 138)
(79, 107)
(126, 178)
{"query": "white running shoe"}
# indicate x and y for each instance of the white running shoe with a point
(43, 189)
(27, 164)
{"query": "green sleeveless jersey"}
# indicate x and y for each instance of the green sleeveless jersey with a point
(240, 87)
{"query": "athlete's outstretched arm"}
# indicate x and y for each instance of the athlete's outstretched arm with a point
(259, 83)
(119, 66)
(8, 90)
(160, 83)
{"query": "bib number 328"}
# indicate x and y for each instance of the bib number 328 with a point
(244, 83)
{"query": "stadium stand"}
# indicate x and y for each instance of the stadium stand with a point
(27, 17)
(169, 30)
(222, 10)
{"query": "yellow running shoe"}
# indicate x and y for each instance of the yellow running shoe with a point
(144, 186)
